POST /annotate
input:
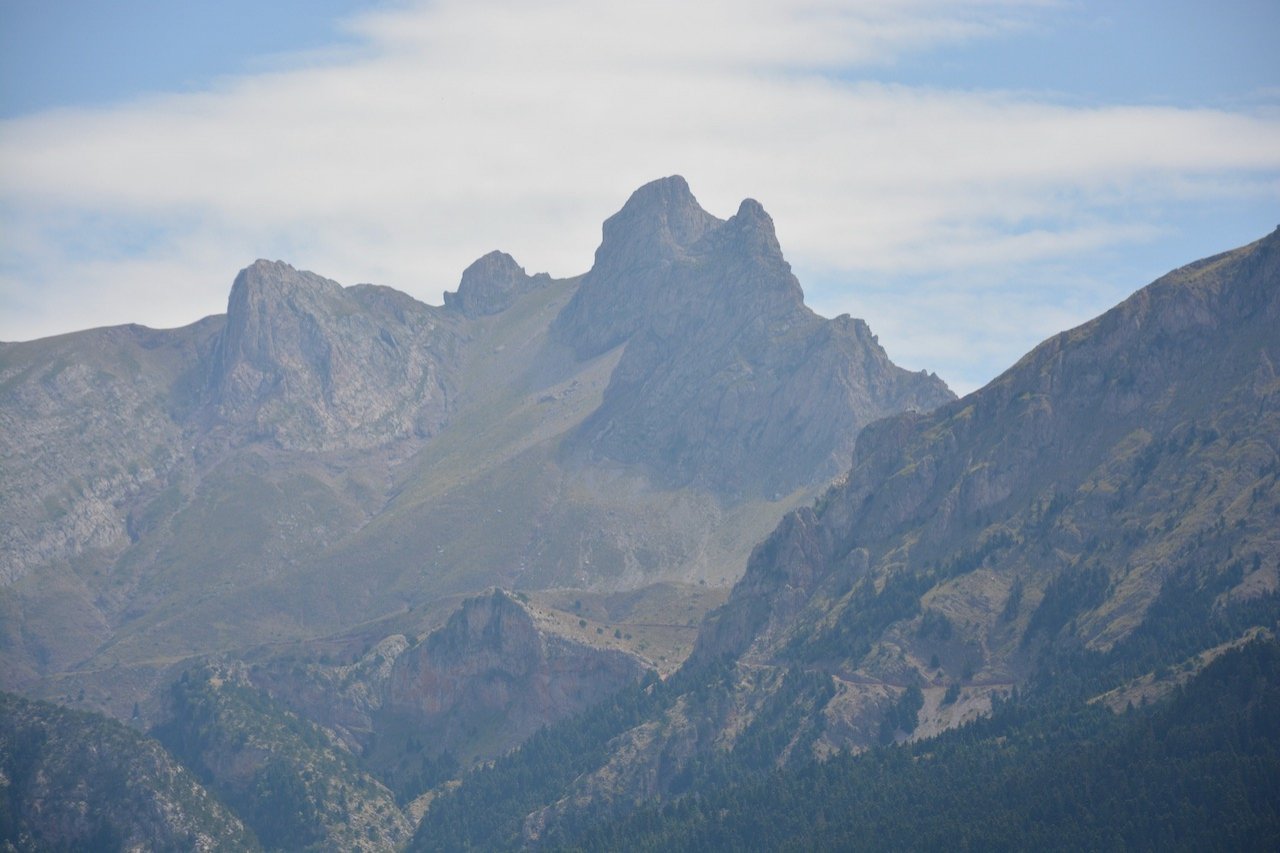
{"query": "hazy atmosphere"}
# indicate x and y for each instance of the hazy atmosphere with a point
(812, 425)
(970, 177)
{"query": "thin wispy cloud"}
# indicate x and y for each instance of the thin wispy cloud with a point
(456, 128)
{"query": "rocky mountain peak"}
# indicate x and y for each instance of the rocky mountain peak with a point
(311, 364)
(662, 254)
(748, 238)
(262, 293)
(491, 284)
(271, 328)
(263, 274)
(662, 214)
(639, 243)
(494, 624)
(266, 287)
(751, 214)
(728, 380)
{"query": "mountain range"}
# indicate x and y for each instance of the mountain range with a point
(325, 457)
(381, 574)
(1089, 531)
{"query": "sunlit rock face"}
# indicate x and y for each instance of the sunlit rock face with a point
(310, 364)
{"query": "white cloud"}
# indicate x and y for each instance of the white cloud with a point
(462, 127)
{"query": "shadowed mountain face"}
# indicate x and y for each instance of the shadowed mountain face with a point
(1098, 523)
(1139, 450)
(323, 457)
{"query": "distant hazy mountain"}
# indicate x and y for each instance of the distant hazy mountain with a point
(1098, 523)
(325, 460)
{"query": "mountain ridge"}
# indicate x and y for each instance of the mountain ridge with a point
(888, 471)
(322, 457)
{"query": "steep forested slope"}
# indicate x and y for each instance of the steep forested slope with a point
(71, 780)
(1196, 773)
(1097, 522)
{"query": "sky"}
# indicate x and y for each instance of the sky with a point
(969, 176)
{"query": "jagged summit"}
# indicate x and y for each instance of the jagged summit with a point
(662, 216)
(632, 270)
(491, 284)
(703, 303)
(658, 256)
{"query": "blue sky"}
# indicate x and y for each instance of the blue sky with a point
(67, 53)
(1174, 52)
(969, 176)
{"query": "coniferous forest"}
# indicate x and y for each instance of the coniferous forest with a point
(1200, 771)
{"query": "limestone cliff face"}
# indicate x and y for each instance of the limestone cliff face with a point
(313, 365)
(490, 675)
(728, 382)
(88, 425)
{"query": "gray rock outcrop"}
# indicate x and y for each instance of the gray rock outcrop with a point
(491, 285)
(310, 364)
(491, 675)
